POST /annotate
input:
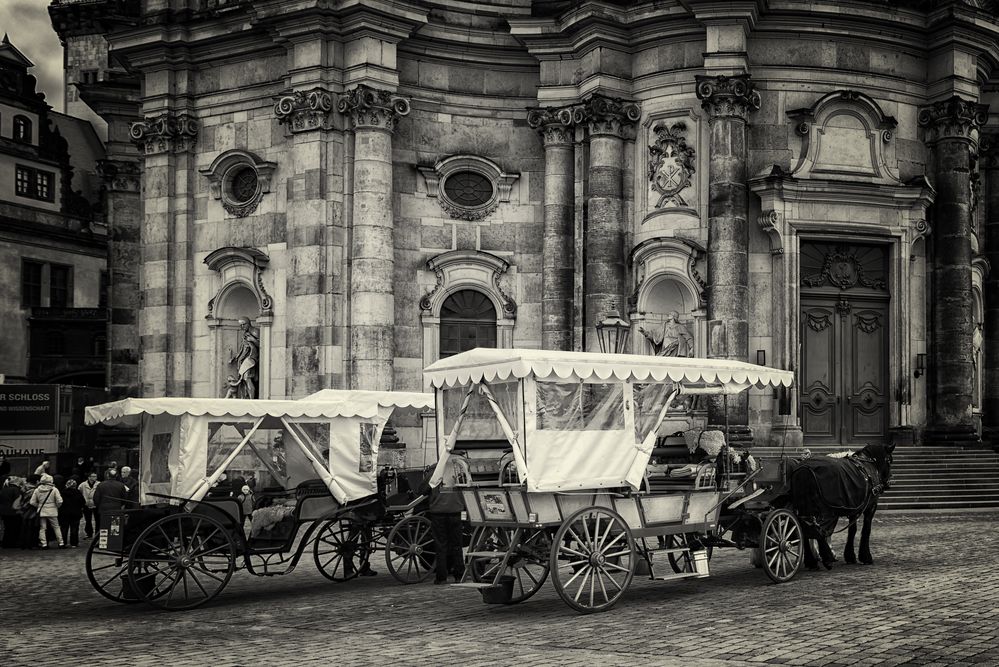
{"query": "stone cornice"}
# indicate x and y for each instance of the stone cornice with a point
(119, 175)
(305, 110)
(728, 96)
(953, 119)
(372, 108)
(165, 133)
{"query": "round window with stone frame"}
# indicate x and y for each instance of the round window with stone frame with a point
(241, 185)
(469, 194)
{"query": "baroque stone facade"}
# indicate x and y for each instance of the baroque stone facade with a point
(687, 157)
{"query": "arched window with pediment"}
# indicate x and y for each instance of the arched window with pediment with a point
(468, 321)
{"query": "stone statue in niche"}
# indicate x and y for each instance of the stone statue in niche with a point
(672, 339)
(246, 361)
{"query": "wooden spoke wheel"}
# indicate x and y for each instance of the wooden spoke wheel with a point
(682, 562)
(108, 574)
(782, 545)
(527, 564)
(181, 561)
(342, 549)
(593, 559)
(409, 550)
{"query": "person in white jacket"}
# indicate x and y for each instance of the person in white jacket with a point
(48, 500)
(88, 488)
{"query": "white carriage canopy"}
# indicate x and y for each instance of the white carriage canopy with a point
(188, 444)
(576, 420)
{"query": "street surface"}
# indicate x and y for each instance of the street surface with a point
(932, 598)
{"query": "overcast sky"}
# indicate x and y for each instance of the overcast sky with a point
(27, 24)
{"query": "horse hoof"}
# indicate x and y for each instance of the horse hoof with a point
(850, 560)
(813, 567)
(867, 561)
(827, 564)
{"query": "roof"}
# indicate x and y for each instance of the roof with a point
(500, 364)
(10, 53)
(321, 405)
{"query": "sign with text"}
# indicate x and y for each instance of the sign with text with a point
(29, 408)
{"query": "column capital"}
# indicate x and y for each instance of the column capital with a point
(555, 124)
(119, 175)
(168, 132)
(728, 96)
(609, 116)
(372, 108)
(304, 110)
(955, 118)
(988, 150)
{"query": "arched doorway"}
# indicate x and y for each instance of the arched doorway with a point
(467, 321)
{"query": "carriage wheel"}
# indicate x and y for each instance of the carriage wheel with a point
(409, 550)
(107, 572)
(341, 550)
(782, 545)
(528, 562)
(593, 559)
(181, 561)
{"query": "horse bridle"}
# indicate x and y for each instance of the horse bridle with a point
(878, 487)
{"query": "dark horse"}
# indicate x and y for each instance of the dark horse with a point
(824, 489)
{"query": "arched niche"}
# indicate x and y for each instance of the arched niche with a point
(239, 294)
(979, 271)
(667, 279)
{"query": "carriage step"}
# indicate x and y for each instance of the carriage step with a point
(473, 584)
(684, 575)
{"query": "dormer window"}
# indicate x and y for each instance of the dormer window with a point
(22, 129)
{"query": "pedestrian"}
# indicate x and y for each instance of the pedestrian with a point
(47, 499)
(131, 486)
(111, 495)
(71, 513)
(446, 506)
(10, 512)
(245, 498)
(89, 508)
(43, 468)
(29, 518)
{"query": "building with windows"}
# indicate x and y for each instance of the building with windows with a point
(812, 185)
(53, 246)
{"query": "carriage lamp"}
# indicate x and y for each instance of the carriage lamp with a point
(920, 365)
(761, 357)
(612, 333)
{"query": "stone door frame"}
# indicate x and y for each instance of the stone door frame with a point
(823, 210)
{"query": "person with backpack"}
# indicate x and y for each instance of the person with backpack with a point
(71, 513)
(47, 500)
(88, 488)
(10, 512)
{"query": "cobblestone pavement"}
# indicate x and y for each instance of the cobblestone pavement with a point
(930, 599)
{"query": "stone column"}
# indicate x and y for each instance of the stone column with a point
(728, 101)
(316, 150)
(123, 212)
(952, 132)
(557, 260)
(609, 121)
(373, 115)
(989, 163)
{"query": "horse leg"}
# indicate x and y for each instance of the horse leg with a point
(848, 553)
(865, 535)
(810, 562)
(825, 551)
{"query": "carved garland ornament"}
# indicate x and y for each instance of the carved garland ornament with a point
(817, 323)
(671, 164)
(843, 270)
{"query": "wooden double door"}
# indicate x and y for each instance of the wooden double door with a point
(844, 351)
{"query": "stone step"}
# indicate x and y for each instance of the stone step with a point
(895, 494)
(899, 487)
(907, 505)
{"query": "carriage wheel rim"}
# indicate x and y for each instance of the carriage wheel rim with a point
(190, 569)
(782, 546)
(343, 539)
(409, 550)
(600, 553)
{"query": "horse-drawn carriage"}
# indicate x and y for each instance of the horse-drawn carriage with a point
(315, 463)
(584, 505)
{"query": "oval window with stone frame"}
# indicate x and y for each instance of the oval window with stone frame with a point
(469, 194)
(242, 184)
